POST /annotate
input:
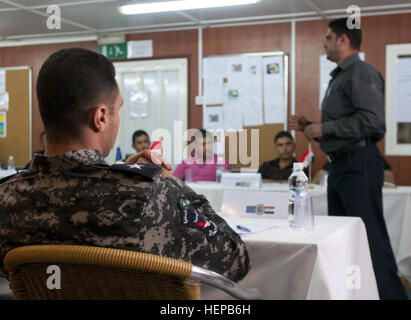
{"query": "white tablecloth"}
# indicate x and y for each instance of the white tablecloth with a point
(397, 213)
(5, 173)
(289, 264)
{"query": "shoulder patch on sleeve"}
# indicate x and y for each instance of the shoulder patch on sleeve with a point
(145, 170)
(191, 218)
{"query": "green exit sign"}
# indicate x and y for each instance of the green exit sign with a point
(114, 51)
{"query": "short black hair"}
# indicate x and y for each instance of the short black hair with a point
(139, 133)
(283, 134)
(201, 134)
(70, 82)
(339, 27)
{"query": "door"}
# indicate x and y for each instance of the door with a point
(155, 100)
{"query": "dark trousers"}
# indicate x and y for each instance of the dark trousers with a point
(355, 189)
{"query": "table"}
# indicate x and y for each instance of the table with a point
(397, 213)
(318, 264)
(5, 173)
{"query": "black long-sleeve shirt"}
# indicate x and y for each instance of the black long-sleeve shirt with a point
(353, 106)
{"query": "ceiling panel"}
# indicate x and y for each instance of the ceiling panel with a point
(32, 3)
(264, 8)
(4, 5)
(104, 16)
(33, 24)
(343, 4)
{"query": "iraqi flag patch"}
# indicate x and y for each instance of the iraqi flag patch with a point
(191, 218)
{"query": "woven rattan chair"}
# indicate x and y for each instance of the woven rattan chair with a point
(94, 273)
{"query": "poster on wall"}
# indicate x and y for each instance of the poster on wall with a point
(4, 101)
(213, 117)
(402, 99)
(249, 88)
(140, 49)
(2, 81)
(3, 124)
(273, 90)
(402, 96)
(253, 102)
(215, 80)
(233, 115)
(138, 104)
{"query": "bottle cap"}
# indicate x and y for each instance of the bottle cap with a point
(298, 166)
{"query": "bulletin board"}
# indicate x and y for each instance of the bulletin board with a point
(246, 91)
(17, 139)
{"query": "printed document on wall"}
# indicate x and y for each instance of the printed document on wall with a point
(233, 115)
(237, 69)
(4, 101)
(2, 81)
(213, 118)
(402, 93)
(253, 102)
(274, 109)
(3, 125)
(215, 77)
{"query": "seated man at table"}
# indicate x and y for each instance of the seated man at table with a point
(280, 168)
(388, 174)
(202, 165)
(71, 195)
(139, 141)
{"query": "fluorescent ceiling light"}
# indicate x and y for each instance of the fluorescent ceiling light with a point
(180, 5)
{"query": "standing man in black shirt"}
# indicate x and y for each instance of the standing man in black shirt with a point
(280, 168)
(352, 122)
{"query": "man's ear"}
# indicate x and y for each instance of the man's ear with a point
(99, 117)
(344, 40)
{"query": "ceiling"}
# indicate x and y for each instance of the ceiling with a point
(27, 19)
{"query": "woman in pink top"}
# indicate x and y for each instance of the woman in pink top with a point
(203, 165)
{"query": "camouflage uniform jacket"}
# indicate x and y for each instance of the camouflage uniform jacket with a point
(77, 198)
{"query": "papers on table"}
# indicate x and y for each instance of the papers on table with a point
(6, 173)
(389, 185)
(253, 227)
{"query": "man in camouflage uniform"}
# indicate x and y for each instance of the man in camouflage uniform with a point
(71, 195)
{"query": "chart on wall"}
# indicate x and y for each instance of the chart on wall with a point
(243, 90)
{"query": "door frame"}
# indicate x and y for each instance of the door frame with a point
(177, 63)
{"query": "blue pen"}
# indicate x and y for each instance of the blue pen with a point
(243, 228)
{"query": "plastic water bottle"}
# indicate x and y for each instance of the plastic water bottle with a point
(297, 183)
(10, 163)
